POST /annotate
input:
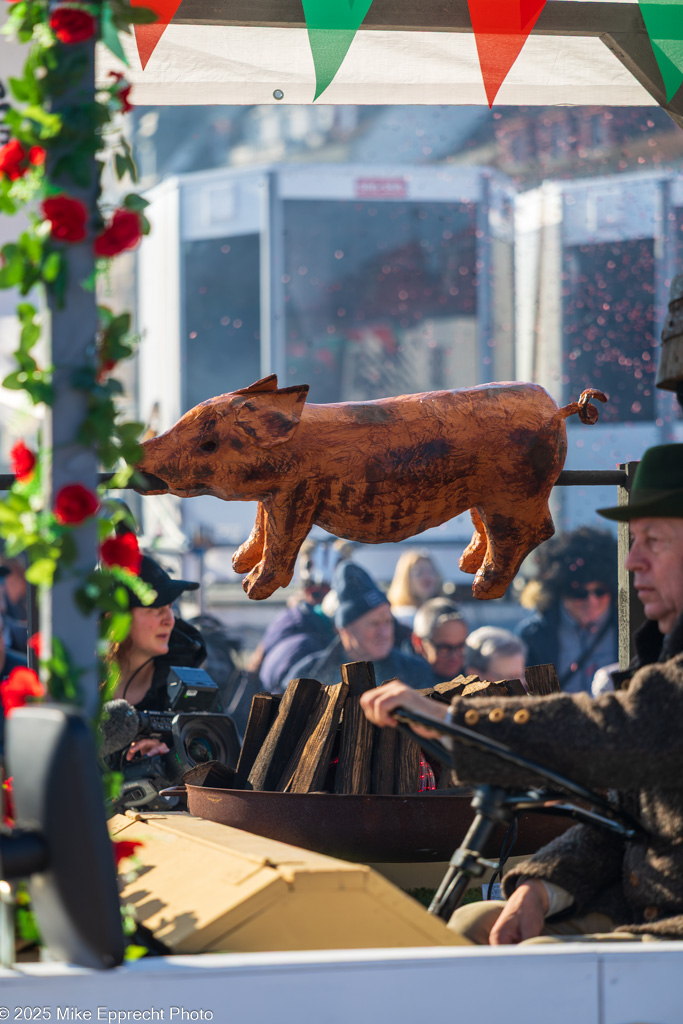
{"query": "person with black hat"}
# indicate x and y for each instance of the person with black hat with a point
(157, 640)
(365, 628)
(604, 887)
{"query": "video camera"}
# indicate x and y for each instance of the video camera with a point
(191, 732)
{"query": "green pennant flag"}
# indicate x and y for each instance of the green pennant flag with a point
(331, 25)
(664, 23)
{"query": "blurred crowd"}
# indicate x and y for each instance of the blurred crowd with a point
(413, 630)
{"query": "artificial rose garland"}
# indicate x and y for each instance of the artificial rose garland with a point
(123, 93)
(124, 232)
(23, 461)
(72, 25)
(74, 504)
(15, 159)
(67, 217)
(20, 684)
(122, 551)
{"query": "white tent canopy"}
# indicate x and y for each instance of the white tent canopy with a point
(240, 51)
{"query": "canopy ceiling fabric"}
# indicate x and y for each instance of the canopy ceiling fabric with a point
(522, 52)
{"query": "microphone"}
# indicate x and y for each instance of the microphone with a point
(118, 727)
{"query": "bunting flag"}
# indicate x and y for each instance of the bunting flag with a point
(501, 28)
(332, 25)
(664, 23)
(147, 36)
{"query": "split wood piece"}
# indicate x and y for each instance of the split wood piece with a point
(514, 687)
(210, 774)
(383, 760)
(407, 765)
(542, 680)
(445, 692)
(309, 763)
(354, 768)
(485, 688)
(263, 710)
(293, 715)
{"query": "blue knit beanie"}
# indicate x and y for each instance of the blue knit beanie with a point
(357, 593)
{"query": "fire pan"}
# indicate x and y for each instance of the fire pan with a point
(373, 828)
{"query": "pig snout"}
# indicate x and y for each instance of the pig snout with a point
(156, 466)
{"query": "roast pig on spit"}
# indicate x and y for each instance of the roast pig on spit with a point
(374, 471)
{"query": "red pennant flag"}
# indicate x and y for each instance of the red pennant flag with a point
(147, 36)
(501, 28)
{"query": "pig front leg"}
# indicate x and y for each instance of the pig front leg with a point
(475, 552)
(512, 532)
(249, 554)
(287, 521)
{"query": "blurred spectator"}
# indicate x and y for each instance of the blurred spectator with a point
(493, 653)
(13, 600)
(575, 625)
(8, 661)
(236, 685)
(603, 680)
(416, 580)
(300, 630)
(365, 630)
(439, 635)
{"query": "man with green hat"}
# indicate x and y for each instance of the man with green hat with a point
(589, 883)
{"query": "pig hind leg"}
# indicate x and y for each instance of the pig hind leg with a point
(475, 552)
(512, 534)
(250, 553)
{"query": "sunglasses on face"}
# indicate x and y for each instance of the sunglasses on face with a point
(445, 649)
(583, 593)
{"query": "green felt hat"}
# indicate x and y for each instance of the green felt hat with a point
(657, 489)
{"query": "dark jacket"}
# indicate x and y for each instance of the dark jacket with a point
(186, 648)
(326, 665)
(541, 635)
(629, 741)
(291, 636)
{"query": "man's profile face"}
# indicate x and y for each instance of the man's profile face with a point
(370, 637)
(656, 561)
(445, 649)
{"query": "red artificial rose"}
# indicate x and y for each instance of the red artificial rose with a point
(124, 848)
(35, 644)
(74, 503)
(8, 803)
(123, 93)
(123, 551)
(104, 369)
(67, 217)
(124, 232)
(23, 461)
(15, 160)
(20, 684)
(72, 25)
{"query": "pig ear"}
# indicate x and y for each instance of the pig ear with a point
(271, 419)
(265, 384)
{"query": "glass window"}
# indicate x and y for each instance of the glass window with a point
(221, 350)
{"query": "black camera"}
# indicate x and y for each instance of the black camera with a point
(191, 732)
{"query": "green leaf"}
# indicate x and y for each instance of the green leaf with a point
(135, 202)
(42, 572)
(119, 626)
(52, 266)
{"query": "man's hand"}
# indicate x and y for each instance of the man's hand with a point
(380, 703)
(523, 916)
(146, 747)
